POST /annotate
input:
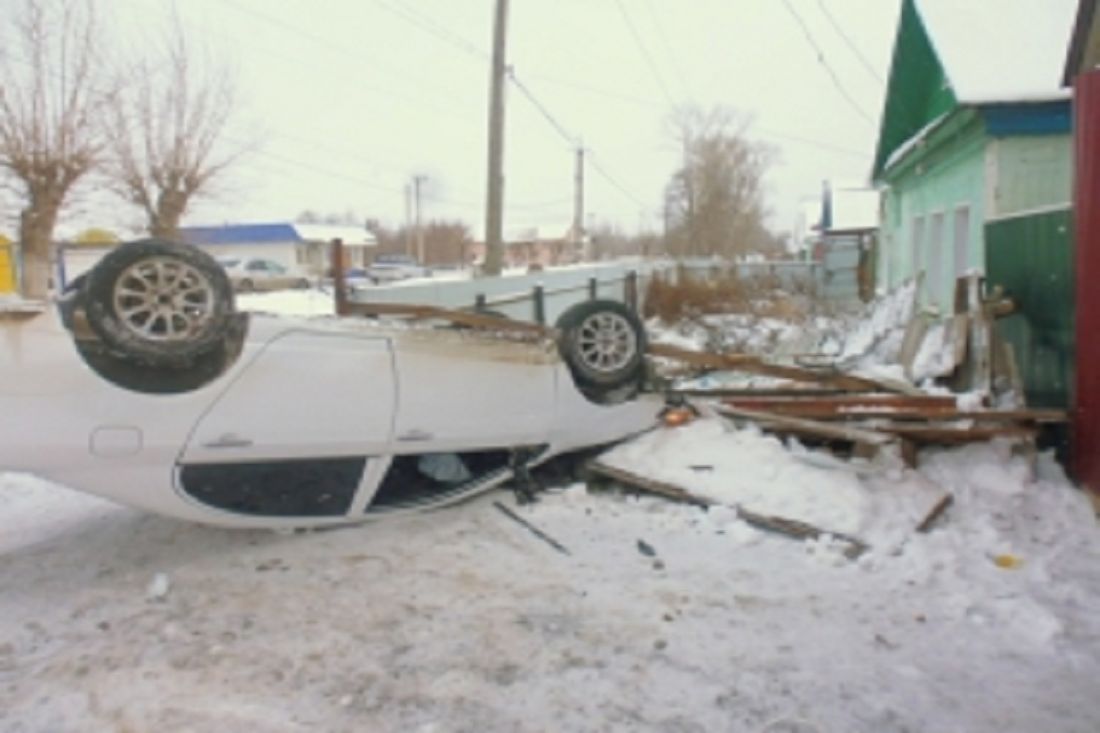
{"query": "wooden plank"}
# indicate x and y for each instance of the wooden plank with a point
(912, 339)
(653, 486)
(755, 365)
(950, 435)
(829, 410)
(936, 512)
(762, 392)
(771, 523)
(814, 428)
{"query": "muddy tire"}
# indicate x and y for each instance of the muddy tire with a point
(138, 377)
(158, 303)
(604, 343)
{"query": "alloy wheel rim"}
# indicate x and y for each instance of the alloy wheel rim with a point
(164, 300)
(606, 342)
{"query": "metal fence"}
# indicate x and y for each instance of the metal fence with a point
(790, 274)
(540, 297)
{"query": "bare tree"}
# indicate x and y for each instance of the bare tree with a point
(715, 201)
(168, 133)
(53, 90)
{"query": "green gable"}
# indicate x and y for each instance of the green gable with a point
(918, 91)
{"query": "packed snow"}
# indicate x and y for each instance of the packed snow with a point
(660, 616)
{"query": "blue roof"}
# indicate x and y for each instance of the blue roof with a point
(241, 234)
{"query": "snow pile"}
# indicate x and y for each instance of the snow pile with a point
(312, 302)
(743, 467)
(935, 357)
(875, 335)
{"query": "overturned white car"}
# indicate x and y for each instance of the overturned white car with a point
(146, 386)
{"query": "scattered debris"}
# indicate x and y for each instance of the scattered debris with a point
(1007, 562)
(780, 525)
(646, 549)
(937, 511)
(531, 528)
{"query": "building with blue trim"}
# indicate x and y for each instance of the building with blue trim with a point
(301, 247)
(975, 160)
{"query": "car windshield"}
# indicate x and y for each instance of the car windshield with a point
(228, 261)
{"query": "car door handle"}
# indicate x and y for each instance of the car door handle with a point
(414, 436)
(229, 440)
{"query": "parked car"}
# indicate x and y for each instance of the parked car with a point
(146, 386)
(357, 277)
(388, 268)
(248, 274)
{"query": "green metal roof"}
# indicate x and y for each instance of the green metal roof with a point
(918, 91)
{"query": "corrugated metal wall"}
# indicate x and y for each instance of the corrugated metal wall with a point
(1031, 257)
(1086, 416)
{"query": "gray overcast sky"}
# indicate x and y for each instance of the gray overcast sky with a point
(351, 97)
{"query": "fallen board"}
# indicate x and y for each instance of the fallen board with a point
(770, 523)
(755, 365)
(813, 428)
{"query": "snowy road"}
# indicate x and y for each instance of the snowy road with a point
(460, 620)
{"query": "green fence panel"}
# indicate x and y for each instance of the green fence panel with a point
(1031, 257)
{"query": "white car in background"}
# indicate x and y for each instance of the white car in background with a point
(256, 274)
(146, 386)
(388, 268)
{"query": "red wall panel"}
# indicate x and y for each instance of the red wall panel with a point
(1086, 414)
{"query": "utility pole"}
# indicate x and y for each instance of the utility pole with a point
(494, 205)
(408, 220)
(417, 180)
(580, 242)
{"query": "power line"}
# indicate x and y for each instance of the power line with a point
(645, 53)
(652, 103)
(610, 179)
(850, 43)
(426, 24)
(328, 45)
(824, 63)
(676, 68)
(570, 138)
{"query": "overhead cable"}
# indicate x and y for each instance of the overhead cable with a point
(825, 64)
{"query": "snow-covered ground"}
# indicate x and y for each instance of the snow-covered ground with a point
(460, 620)
(661, 617)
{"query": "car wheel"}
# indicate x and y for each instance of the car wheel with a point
(245, 286)
(603, 342)
(302, 284)
(138, 377)
(158, 302)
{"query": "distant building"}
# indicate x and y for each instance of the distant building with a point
(304, 247)
(849, 240)
(527, 247)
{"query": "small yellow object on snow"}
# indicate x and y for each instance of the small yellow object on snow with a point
(1008, 562)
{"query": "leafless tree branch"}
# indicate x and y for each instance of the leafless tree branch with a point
(53, 89)
(168, 132)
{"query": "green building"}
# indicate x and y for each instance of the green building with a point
(975, 160)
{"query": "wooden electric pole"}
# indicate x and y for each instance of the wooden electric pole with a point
(408, 221)
(494, 205)
(417, 180)
(580, 242)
